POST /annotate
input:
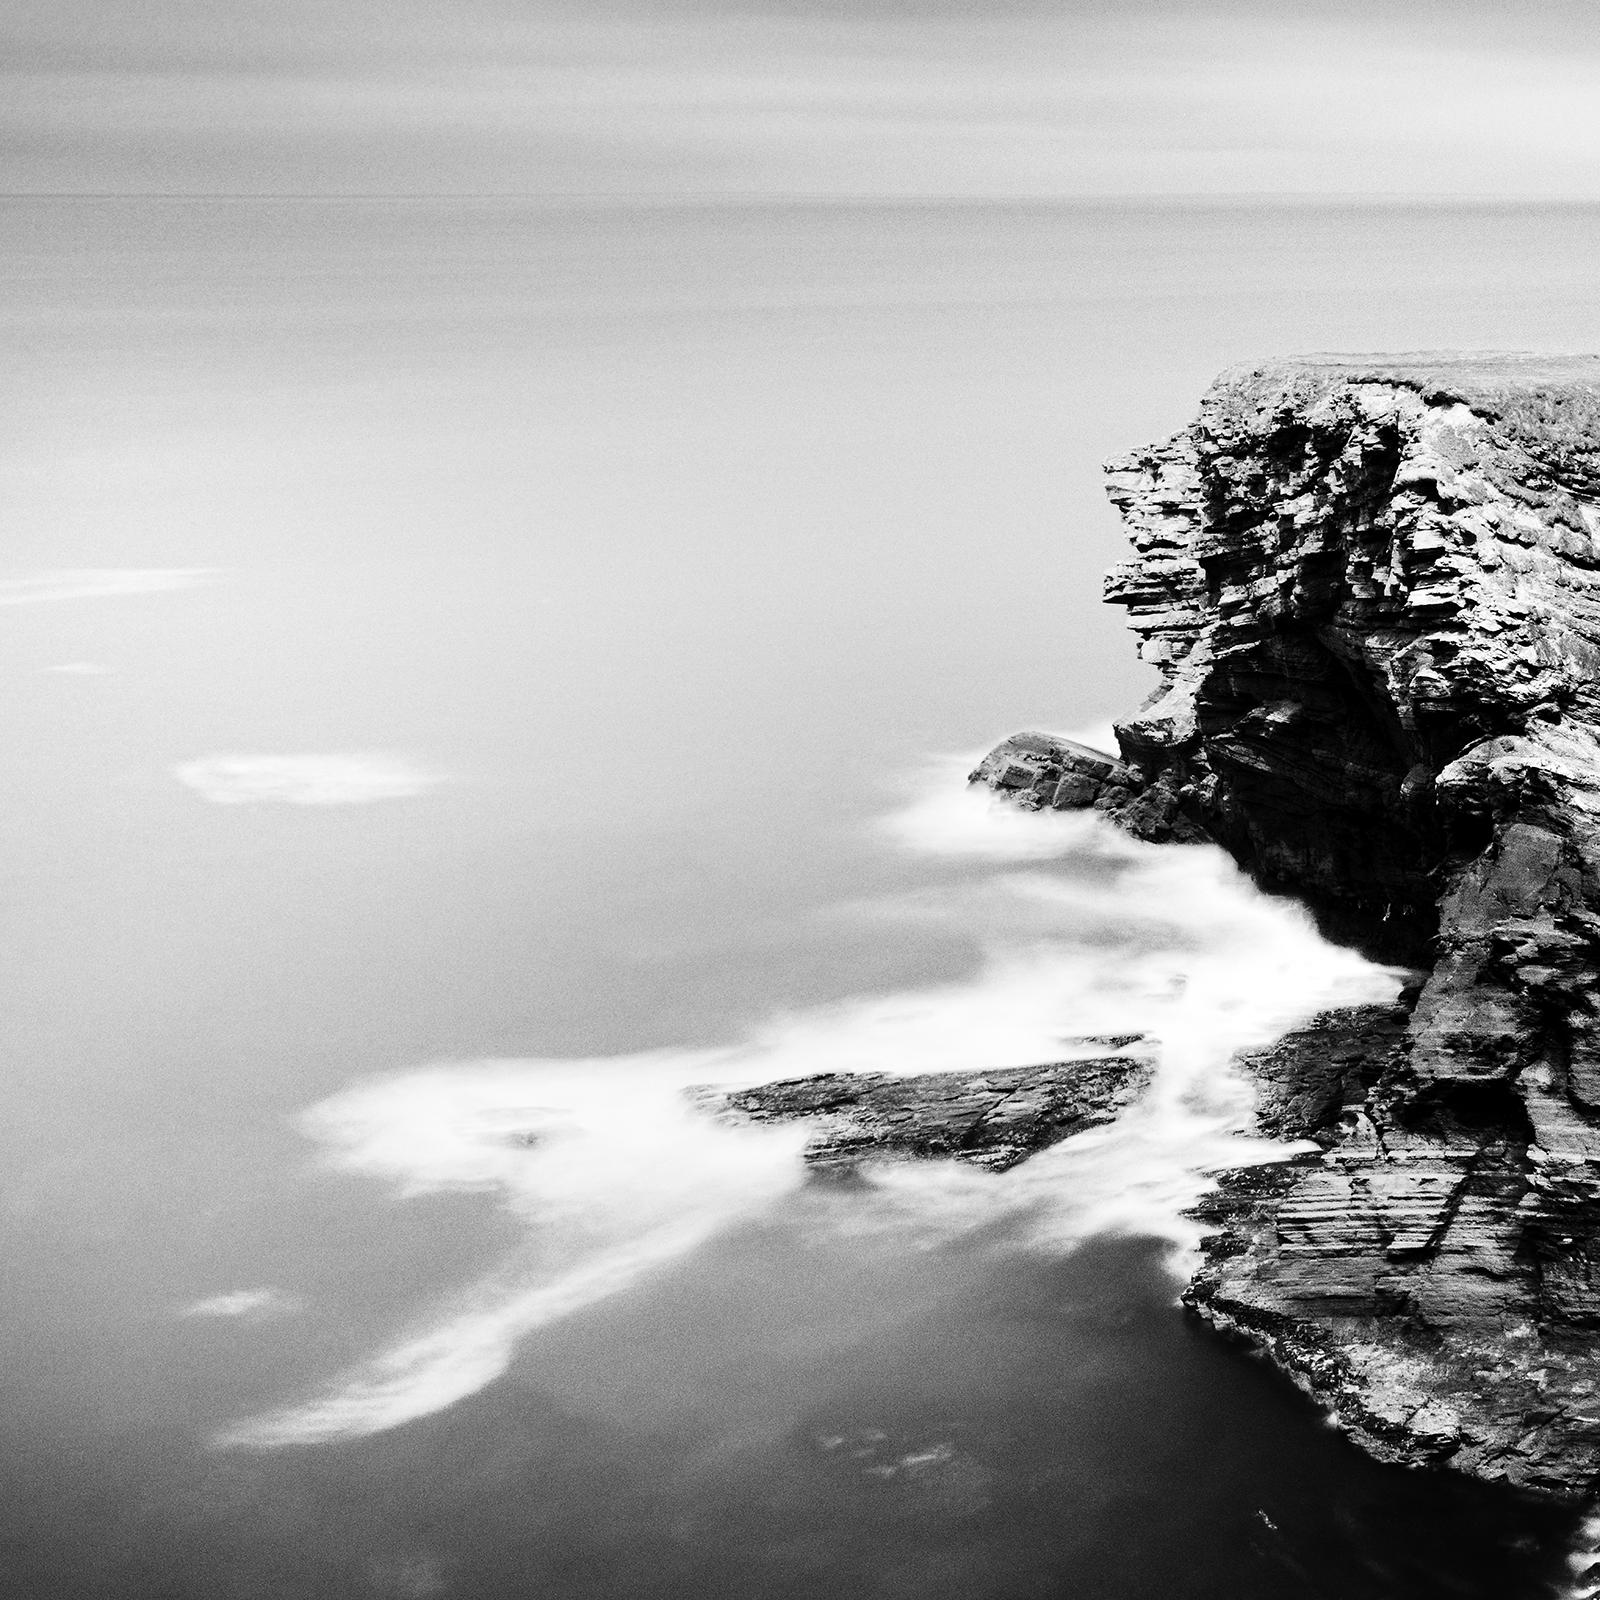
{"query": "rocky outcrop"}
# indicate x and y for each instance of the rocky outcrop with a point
(992, 1119)
(1039, 769)
(1372, 588)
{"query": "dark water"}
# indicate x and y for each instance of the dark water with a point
(655, 549)
(804, 1422)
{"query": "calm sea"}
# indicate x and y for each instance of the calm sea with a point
(473, 667)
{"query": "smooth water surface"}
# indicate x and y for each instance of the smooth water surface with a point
(449, 632)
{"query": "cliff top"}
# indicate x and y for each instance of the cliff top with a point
(1546, 405)
(1467, 375)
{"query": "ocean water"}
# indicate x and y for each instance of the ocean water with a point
(475, 668)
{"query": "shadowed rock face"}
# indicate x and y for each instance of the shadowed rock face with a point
(1372, 587)
(992, 1119)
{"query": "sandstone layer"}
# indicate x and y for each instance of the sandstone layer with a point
(1372, 589)
(992, 1119)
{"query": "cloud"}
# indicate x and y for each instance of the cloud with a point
(894, 99)
(304, 780)
(255, 1303)
(98, 583)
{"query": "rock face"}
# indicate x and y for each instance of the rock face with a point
(1372, 587)
(992, 1119)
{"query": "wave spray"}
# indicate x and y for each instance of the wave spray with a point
(615, 1176)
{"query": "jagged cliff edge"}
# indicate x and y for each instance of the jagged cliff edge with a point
(1372, 588)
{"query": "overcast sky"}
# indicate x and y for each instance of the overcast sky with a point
(987, 97)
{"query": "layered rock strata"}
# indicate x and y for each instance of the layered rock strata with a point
(1372, 589)
(993, 1119)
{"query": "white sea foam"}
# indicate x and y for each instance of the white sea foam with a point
(251, 1303)
(946, 817)
(99, 583)
(1584, 1561)
(613, 1171)
(616, 1176)
(953, 820)
(355, 778)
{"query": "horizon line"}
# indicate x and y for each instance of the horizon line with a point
(815, 197)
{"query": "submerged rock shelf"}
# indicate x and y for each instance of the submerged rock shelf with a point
(1372, 587)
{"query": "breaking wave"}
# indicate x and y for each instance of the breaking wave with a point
(616, 1176)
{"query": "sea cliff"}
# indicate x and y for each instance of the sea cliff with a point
(1371, 586)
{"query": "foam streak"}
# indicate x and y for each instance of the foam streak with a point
(616, 1176)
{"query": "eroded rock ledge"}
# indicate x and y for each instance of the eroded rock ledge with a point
(1372, 587)
(993, 1119)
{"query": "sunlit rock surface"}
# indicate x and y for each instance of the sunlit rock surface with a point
(1372, 587)
(992, 1119)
